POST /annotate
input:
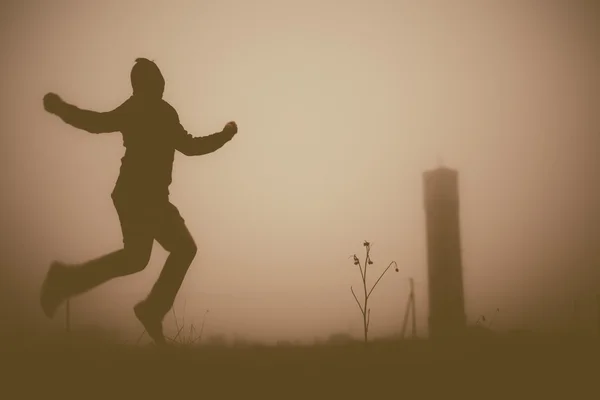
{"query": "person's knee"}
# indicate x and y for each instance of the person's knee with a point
(187, 250)
(191, 250)
(136, 259)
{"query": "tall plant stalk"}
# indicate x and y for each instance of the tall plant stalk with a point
(365, 310)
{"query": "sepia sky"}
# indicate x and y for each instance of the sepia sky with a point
(341, 106)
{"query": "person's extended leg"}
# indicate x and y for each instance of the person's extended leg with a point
(64, 281)
(174, 237)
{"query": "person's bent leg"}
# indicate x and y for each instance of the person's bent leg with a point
(138, 238)
(130, 260)
(177, 240)
(153, 309)
(64, 281)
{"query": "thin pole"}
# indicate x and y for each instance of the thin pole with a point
(575, 316)
(410, 305)
(598, 310)
(68, 316)
(413, 306)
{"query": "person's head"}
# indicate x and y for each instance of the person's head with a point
(146, 79)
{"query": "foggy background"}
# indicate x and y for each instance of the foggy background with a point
(341, 106)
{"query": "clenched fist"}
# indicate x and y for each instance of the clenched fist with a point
(231, 127)
(52, 103)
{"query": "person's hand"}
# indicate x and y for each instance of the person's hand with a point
(52, 102)
(231, 128)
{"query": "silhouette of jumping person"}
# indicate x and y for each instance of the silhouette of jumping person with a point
(151, 134)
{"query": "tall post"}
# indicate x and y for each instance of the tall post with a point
(444, 259)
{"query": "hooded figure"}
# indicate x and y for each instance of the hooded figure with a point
(151, 133)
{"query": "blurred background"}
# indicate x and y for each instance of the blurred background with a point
(341, 107)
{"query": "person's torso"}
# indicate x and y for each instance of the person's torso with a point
(146, 167)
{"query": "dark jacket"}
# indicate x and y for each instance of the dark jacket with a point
(151, 134)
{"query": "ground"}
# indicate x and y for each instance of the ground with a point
(516, 367)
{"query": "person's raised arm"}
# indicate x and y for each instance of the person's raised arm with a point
(90, 121)
(197, 146)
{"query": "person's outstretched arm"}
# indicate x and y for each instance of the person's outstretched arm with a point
(197, 146)
(90, 121)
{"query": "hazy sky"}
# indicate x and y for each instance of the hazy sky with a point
(341, 106)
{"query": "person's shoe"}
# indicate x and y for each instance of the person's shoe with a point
(52, 293)
(152, 322)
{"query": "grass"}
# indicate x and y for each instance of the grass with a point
(543, 367)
